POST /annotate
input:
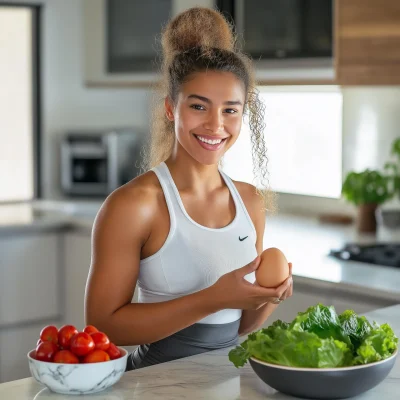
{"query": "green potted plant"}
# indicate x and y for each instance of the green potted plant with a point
(367, 190)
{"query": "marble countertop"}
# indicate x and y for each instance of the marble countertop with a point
(206, 376)
(305, 241)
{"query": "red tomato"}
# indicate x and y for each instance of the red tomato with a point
(49, 334)
(101, 341)
(46, 351)
(90, 329)
(113, 351)
(96, 356)
(38, 342)
(81, 344)
(66, 357)
(65, 334)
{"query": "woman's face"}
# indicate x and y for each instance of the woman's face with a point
(208, 115)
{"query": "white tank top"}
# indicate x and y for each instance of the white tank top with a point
(193, 256)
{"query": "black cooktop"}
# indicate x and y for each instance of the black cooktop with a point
(387, 254)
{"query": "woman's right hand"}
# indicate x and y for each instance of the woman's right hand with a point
(232, 290)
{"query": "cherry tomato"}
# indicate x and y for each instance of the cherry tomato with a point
(96, 356)
(101, 341)
(90, 329)
(38, 342)
(66, 357)
(49, 334)
(46, 351)
(81, 344)
(113, 351)
(65, 334)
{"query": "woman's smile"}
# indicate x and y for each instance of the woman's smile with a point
(212, 143)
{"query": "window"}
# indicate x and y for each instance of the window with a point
(19, 102)
(303, 135)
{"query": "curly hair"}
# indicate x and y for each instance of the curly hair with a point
(197, 40)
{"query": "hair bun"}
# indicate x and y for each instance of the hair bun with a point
(197, 27)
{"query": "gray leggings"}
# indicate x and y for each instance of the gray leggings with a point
(195, 339)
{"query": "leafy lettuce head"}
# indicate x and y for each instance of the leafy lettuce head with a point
(318, 338)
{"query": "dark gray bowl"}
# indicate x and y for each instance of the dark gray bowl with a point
(323, 383)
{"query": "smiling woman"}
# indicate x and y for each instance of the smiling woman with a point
(183, 231)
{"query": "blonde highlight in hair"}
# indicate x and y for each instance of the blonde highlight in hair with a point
(197, 40)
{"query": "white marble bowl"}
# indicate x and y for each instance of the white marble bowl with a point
(78, 378)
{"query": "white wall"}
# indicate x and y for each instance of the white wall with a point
(67, 103)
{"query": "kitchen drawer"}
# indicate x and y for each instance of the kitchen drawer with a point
(15, 343)
(29, 278)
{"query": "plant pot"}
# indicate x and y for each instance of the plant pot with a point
(366, 218)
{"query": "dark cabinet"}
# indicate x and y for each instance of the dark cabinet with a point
(132, 29)
(270, 29)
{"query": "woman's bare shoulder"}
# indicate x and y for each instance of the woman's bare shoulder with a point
(249, 195)
(132, 205)
(139, 192)
(252, 200)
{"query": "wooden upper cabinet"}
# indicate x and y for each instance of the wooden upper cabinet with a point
(367, 42)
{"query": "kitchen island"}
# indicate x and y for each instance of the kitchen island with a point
(206, 376)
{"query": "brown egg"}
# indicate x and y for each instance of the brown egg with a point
(273, 268)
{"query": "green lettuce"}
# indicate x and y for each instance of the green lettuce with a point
(323, 321)
(298, 349)
(355, 327)
(378, 344)
(318, 338)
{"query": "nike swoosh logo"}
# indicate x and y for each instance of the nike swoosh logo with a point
(241, 239)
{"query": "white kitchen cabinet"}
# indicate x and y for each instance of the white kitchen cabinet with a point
(30, 278)
(77, 256)
(77, 253)
(15, 343)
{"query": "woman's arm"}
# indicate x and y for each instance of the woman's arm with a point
(121, 228)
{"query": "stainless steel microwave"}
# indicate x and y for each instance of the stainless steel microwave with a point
(96, 163)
